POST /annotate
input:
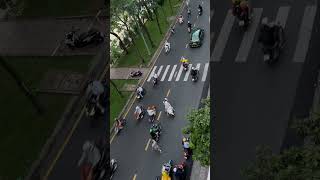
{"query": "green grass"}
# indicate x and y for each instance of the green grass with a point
(116, 101)
(23, 132)
(40, 8)
(132, 59)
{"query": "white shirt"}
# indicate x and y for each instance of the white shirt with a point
(138, 110)
(139, 89)
(186, 145)
(155, 75)
(151, 112)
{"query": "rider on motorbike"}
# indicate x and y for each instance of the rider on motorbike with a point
(151, 112)
(138, 112)
(268, 33)
(167, 46)
(200, 9)
(139, 91)
(89, 159)
(154, 132)
(194, 72)
(189, 26)
(240, 9)
(167, 105)
(180, 19)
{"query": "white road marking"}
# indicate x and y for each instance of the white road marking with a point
(198, 66)
(187, 73)
(159, 71)
(223, 37)
(282, 15)
(165, 73)
(172, 72)
(249, 36)
(205, 71)
(305, 34)
(152, 73)
(179, 73)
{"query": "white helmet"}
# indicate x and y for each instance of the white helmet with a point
(193, 68)
(165, 99)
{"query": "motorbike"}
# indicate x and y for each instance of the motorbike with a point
(93, 36)
(271, 54)
(138, 96)
(117, 128)
(155, 81)
(135, 74)
(155, 146)
(166, 170)
(141, 115)
(157, 129)
(152, 113)
(185, 66)
(180, 20)
(179, 171)
(194, 77)
(167, 48)
(113, 167)
(169, 109)
(199, 11)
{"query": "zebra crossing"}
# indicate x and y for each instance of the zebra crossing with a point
(175, 72)
(302, 44)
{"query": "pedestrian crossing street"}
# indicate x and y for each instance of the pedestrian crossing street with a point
(175, 72)
(302, 44)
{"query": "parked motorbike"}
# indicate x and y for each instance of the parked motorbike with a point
(93, 36)
(135, 74)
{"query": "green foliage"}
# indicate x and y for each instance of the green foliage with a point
(308, 128)
(199, 130)
(296, 163)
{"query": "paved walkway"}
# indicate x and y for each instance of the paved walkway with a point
(124, 73)
(42, 37)
(199, 172)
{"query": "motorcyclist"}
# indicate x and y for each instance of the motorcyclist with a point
(267, 33)
(200, 9)
(138, 112)
(167, 46)
(89, 159)
(179, 171)
(180, 19)
(119, 123)
(139, 91)
(240, 8)
(155, 146)
(194, 72)
(154, 132)
(151, 112)
(189, 12)
(189, 26)
(167, 105)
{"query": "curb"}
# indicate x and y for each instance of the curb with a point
(67, 116)
(153, 60)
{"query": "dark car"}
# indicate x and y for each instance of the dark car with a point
(196, 38)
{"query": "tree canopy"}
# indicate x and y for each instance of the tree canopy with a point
(199, 131)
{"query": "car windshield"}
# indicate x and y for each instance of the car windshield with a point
(195, 35)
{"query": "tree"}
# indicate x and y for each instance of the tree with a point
(154, 7)
(199, 130)
(308, 128)
(296, 163)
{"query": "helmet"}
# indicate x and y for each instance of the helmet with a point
(264, 21)
(165, 99)
(184, 139)
(87, 145)
(188, 22)
(193, 68)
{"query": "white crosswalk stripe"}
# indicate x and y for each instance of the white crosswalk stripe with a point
(249, 37)
(179, 73)
(159, 71)
(165, 73)
(187, 73)
(223, 37)
(152, 73)
(305, 34)
(282, 15)
(205, 72)
(172, 72)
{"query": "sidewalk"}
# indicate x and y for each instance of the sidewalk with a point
(199, 172)
(124, 73)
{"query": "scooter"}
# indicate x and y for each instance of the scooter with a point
(113, 167)
(170, 111)
(118, 129)
(185, 66)
(195, 78)
(135, 74)
(152, 114)
(199, 11)
(167, 48)
(141, 115)
(155, 81)
(138, 96)
(271, 54)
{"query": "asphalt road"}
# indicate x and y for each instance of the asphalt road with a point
(253, 102)
(128, 148)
